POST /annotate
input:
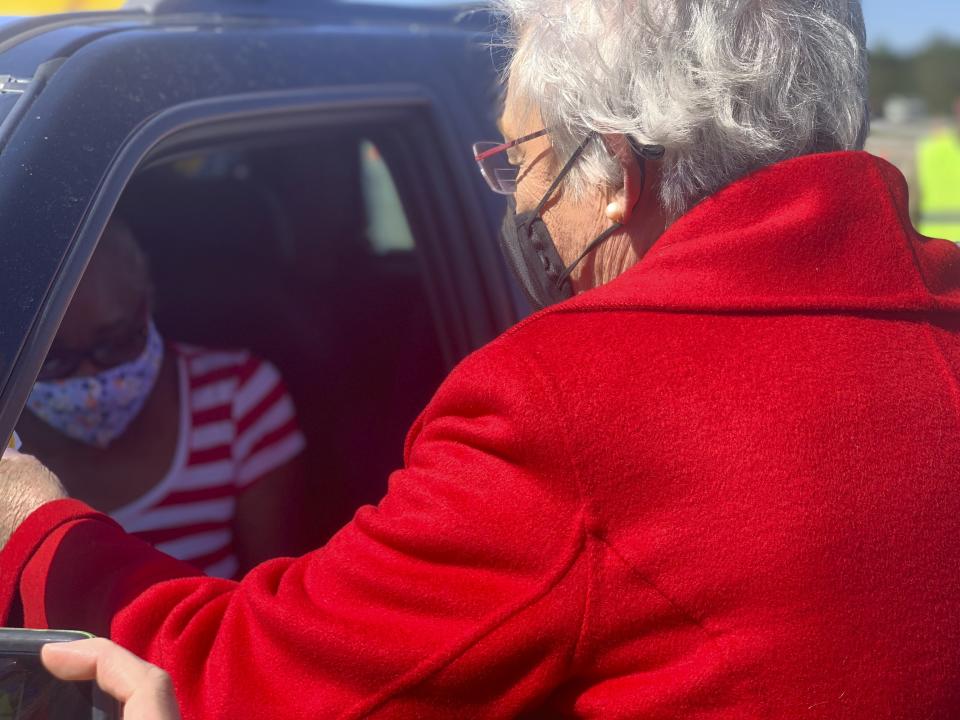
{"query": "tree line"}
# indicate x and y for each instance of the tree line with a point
(931, 74)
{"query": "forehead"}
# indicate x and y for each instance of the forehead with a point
(515, 120)
(111, 293)
(504, 120)
(108, 283)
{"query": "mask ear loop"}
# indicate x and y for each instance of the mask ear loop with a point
(590, 248)
(655, 151)
(564, 171)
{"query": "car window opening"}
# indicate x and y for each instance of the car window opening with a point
(301, 254)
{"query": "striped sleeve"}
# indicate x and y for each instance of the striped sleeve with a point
(267, 432)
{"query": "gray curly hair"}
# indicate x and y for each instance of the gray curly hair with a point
(726, 86)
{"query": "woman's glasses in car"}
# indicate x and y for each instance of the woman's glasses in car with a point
(122, 347)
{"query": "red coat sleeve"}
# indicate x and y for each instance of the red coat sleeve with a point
(462, 594)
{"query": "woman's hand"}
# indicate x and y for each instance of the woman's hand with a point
(25, 485)
(145, 690)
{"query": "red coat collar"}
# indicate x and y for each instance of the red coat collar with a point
(819, 232)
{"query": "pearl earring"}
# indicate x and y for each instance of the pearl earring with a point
(615, 212)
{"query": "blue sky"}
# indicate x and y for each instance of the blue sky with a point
(905, 24)
(901, 24)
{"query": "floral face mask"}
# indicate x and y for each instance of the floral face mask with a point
(99, 408)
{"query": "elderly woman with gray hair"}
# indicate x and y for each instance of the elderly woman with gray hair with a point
(715, 477)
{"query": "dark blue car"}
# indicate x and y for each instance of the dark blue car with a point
(300, 175)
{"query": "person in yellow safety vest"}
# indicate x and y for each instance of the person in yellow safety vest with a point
(43, 7)
(938, 173)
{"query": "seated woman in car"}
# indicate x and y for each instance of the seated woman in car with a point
(716, 477)
(193, 450)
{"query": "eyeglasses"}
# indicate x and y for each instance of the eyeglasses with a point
(123, 348)
(495, 165)
(501, 175)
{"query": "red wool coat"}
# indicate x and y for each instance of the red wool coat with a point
(722, 486)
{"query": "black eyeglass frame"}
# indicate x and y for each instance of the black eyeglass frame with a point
(103, 355)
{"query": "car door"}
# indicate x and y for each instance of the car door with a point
(112, 93)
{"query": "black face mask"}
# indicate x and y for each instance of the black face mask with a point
(531, 252)
(533, 257)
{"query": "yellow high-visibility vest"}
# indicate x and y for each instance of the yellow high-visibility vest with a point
(43, 7)
(938, 172)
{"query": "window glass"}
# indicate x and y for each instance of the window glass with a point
(387, 228)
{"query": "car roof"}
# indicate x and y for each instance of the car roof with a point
(26, 43)
(161, 14)
(316, 10)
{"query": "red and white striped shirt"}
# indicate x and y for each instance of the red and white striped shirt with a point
(237, 423)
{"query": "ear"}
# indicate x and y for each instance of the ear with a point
(624, 199)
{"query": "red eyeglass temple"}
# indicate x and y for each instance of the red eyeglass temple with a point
(507, 145)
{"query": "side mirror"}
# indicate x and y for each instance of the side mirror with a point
(29, 692)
